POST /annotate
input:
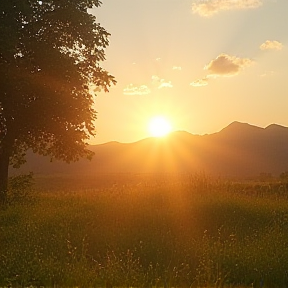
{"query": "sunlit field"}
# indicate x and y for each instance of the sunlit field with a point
(146, 231)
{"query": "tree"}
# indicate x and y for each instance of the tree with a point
(50, 56)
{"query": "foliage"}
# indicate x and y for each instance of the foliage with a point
(20, 189)
(160, 233)
(50, 54)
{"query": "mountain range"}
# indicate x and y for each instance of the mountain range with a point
(239, 150)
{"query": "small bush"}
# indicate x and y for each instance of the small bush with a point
(20, 189)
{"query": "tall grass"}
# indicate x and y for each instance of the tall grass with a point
(189, 231)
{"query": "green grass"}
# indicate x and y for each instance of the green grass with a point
(187, 231)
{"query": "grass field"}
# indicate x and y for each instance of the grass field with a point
(146, 231)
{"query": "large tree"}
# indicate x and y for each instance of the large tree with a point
(50, 56)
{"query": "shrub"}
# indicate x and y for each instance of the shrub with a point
(20, 189)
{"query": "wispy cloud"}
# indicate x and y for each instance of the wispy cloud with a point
(165, 84)
(161, 83)
(155, 79)
(208, 8)
(267, 74)
(177, 68)
(136, 90)
(226, 65)
(271, 45)
(199, 82)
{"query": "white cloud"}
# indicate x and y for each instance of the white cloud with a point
(177, 68)
(208, 8)
(161, 83)
(165, 84)
(271, 45)
(199, 82)
(155, 79)
(136, 90)
(267, 74)
(226, 65)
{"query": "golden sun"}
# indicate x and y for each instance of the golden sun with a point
(159, 126)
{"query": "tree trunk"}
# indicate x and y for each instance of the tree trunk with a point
(4, 166)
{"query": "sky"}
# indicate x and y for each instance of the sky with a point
(201, 64)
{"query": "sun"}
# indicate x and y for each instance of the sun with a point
(159, 126)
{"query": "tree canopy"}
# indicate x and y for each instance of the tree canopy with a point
(50, 61)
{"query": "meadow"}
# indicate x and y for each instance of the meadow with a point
(136, 230)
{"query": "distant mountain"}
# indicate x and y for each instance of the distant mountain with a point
(239, 150)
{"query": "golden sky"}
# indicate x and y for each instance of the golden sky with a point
(201, 64)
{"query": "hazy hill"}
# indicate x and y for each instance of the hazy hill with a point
(238, 150)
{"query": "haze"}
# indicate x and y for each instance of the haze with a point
(200, 64)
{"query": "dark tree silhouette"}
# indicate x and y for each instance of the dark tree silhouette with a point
(50, 55)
